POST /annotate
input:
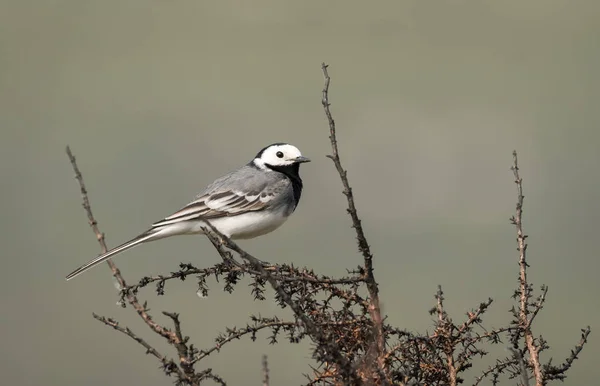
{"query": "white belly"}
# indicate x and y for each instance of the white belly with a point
(245, 226)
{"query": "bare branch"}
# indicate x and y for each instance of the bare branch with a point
(558, 372)
(495, 370)
(326, 344)
(539, 304)
(265, 371)
(91, 220)
(171, 337)
(524, 286)
(238, 333)
(169, 366)
(180, 343)
(282, 272)
(474, 317)
(445, 331)
(363, 245)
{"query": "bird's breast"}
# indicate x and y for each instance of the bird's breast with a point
(250, 225)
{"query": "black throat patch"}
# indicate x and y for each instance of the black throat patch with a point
(291, 172)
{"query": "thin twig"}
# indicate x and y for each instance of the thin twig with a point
(363, 245)
(168, 364)
(474, 316)
(131, 298)
(539, 304)
(237, 335)
(265, 371)
(524, 286)
(558, 372)
(278, 272)
(445, 331)
(180, 343)
(498, 368)
(91, 220)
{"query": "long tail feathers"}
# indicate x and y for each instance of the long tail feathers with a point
(146, 236)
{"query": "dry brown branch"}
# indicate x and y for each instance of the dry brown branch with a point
(265, 371)
(539, 304)
(282, 273)
(445, 330)
(92, 221)
(238, 333)
(326, 345)
(524, 286)
(169, 366)
(494, 371)
(558, 372)
(173, 338)
(363, 245)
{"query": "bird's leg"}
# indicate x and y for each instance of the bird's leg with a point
(220, 245)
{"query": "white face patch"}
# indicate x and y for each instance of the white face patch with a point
(278, 155)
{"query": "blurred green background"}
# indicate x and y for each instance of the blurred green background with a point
(158, 98)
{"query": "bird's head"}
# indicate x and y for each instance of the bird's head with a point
(279, 155)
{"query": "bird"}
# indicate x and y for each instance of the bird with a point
(246, 203)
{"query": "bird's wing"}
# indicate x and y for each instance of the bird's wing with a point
(221, 203)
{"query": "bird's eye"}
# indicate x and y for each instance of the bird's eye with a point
(279, 154)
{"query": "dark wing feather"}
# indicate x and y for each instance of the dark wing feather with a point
(219, 204)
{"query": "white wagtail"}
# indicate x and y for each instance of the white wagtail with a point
(249, 202)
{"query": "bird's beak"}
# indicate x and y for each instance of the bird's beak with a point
(301, 159)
